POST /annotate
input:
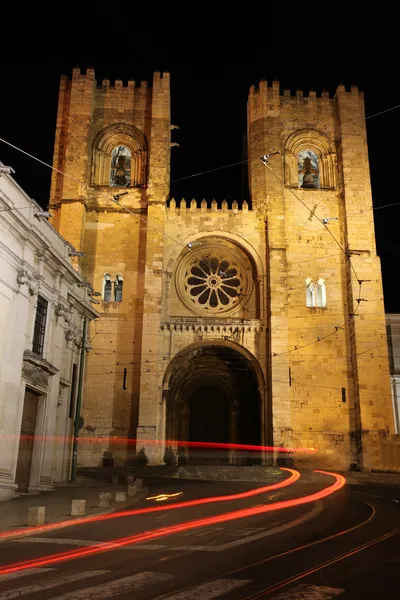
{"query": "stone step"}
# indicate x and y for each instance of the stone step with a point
(230, 473)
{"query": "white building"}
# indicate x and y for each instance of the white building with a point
(43, 305)
(393, 336)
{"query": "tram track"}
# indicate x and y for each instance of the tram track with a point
(274, 588)
(285, 582)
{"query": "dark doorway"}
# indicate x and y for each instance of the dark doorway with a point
(28, 427)
(209, 422)
(215, 398)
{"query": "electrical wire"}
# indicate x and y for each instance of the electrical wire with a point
(126, 209)
(382, 112)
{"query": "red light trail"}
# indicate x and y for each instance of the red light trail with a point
(166, 443)
(164, 531)
(294, 476)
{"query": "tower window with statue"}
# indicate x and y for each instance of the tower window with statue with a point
(308, 169)
(120, 175)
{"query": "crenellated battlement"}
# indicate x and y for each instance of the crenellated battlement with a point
(160, 80)
(106, 85)
(202, 206)
(266, 100)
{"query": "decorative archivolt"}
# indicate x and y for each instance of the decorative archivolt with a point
(214, 277)
(320, 147)
(120, 135)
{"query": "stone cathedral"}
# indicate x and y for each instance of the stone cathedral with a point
(256, 323)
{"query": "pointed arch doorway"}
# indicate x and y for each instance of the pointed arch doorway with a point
(214, 397)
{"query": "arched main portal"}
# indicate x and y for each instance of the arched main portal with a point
(215, 395)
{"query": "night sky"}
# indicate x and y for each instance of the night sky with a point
(209, 97)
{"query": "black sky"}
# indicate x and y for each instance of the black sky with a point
(209, 96)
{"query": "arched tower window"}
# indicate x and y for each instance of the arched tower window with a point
(310, 160)
(120, 175)
(308, 169)
(119, 157)
(310, 293)
(321, 293)
(118, 285)
(107, 287)
(315, 293)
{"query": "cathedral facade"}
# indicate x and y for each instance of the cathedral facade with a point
(259, 323)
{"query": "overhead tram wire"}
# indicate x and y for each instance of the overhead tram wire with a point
(264, 160)
(310, 210)
(113, 199)
(173, 180)
(180, 178)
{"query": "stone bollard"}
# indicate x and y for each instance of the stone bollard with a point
(130, 479)
(115, 479)
(78, 508)
(36, 516)
(139, 483)
(132, 489)
(120, 497)
(104, 500)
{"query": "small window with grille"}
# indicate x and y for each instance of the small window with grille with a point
(107, 287)
(118, 285)
(40, 326)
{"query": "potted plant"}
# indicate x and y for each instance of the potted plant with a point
(182, 457)
(141, 458)
(108, 460)
(286, 459)
(169, 457)
(289, 461)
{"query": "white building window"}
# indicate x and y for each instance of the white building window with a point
(315, 293)
(118, 285)
(107, 287)
(40, 325)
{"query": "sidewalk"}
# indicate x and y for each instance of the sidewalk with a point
(14, 513)
(371, 478)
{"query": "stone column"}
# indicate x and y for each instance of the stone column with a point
(151, 427)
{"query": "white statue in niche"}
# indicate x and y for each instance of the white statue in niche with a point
(121, 159)
(308, 170)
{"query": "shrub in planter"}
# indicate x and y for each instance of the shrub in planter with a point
(286, 459)
(108, 460)
(141, 458)
(289, 460)
(169, 457)
(182, 457)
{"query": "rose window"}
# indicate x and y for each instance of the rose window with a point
(214, 284)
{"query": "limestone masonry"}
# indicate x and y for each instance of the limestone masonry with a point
(211, 314)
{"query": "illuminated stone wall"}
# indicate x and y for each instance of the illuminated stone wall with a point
(320, 382)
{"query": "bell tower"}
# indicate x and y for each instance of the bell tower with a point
(330, 387)
(113, 142)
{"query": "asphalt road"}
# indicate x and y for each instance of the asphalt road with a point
(347, 545)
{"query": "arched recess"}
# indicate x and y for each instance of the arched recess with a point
(319, 144)
(120, 134)
(215, 378)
